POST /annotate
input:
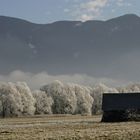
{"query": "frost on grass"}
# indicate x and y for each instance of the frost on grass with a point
(16, 99)
(69, 98)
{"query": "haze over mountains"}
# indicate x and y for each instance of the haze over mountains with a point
(97, 48)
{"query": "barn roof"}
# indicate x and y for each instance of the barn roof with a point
(118, 101)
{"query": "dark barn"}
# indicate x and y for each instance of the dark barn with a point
(121, 107)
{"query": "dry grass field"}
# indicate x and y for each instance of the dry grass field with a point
(67, 127)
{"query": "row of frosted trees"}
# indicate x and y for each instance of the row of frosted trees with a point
(16, 99)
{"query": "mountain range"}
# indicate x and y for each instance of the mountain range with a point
(108, 48)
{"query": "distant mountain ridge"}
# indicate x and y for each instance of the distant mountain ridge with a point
(98, 48)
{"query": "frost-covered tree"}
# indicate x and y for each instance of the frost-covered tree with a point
(129, 89)
(84, 100)
(27, 98)
(69, 98)
(16, 100)
(64, 98)
(97, 93)
(10, 101)
(43, 102)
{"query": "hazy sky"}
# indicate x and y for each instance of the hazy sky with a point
(46, 11)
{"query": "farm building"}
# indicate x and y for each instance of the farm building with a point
(121, 107)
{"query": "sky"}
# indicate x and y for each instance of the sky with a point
(48, 11)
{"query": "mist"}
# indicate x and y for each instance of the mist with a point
(36, 80)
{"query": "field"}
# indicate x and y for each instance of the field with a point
(67, 127)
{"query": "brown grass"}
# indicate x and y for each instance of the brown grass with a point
(61, 127)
